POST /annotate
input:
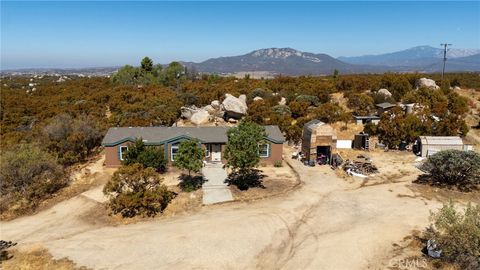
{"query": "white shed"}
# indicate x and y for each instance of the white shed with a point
(429, 145)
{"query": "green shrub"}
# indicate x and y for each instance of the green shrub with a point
(148, 156)
(28, 174)
(453, 168)
(457, 235)
(278, 163)
(135, 190)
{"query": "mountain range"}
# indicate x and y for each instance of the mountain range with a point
(288, 61)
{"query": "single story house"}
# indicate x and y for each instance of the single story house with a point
(428, 145)
(212, 139)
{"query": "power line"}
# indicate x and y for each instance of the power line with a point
(445, 45)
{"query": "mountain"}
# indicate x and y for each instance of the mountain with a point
(413, 57)
(279, 61)
(468, 63)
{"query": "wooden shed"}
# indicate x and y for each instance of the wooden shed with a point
(429, 145)
(318, 141)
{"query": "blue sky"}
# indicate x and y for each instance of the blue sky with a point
(88, 34)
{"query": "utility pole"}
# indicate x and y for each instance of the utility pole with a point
(445, 45)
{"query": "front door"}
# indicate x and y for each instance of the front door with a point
(216, 152)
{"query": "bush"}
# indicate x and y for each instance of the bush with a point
(457, 235)
(134, 190)
(278, 164)
(148, 156)
(453, 168)
(28, 174)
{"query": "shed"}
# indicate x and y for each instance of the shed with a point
(319, 141)
(383, 107)
(362, 120)
(429, 145)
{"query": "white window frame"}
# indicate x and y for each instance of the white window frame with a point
(121, 152)
(176, 145)
(208, 149)
(268, 150)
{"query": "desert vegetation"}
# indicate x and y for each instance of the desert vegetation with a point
(66, 119)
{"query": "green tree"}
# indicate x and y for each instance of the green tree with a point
(126, 75)
(146, 65)
(457, 235)
(147, 156)
(241, 151)
(134, 190)
(189, 156)
(453, 168)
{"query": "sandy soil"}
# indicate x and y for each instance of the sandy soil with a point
(327, 223)
(472, 118)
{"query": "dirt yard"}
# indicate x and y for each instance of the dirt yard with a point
(329, 222)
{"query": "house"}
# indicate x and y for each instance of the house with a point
(428, 145)
(212, 139)
(319, 141)
(383, 107)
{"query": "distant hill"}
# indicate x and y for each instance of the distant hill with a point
(280, 61)
(414, 57)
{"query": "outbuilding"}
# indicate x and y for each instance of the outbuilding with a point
(319, 141)
(428, 145)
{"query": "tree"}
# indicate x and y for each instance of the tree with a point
(453, 168)
(126, 75)
(27, 175)
(298, 108)
(147, 156)
(241, 151)
(189, 156)
(457, 235)
(146, 65)
(293, 134)
(361, 104)
(258, 112)
(134, 190)
(329, 112)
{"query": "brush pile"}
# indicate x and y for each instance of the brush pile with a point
(362, 167)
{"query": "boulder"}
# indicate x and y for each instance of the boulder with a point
(428, 83)
(283, 101)
(243, 98)
(257, 98)
(232, 120)
(210, 109)
(456, 88)
(215, 104)
(200, 117)
(385, 92)
(234, 107)
(187, 112)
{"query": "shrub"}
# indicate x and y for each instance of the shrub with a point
(29, 174)
(148, 156)
(457, 235)
(135, 190)
(453, 168)
(311, 100)
(278, 164)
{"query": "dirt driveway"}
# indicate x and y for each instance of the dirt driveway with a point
(328, 223)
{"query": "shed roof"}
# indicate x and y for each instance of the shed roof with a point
(159, 135)
(386, 105)
(441, 140)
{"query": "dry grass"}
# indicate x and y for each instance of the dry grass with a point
(37, 258)
(278, 181)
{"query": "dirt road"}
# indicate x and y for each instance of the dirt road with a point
(326, 224)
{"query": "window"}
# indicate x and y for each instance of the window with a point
(123, 152)
(173, 150)
(264, 150)
(207, 150)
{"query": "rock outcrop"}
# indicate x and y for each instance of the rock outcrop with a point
(384, 92)
(234, 107)
(283, 101)
(200, 117)
(428, 83)
(257, 98)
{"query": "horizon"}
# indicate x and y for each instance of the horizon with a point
(66, 35)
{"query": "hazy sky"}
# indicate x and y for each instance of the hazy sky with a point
(88, 34)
